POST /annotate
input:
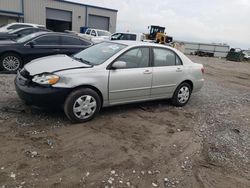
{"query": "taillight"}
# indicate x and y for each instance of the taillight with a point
(202, 70)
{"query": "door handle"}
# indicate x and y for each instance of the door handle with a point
(147, 72)
(178, 69)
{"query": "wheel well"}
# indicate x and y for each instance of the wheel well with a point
(189, 82)
(13, 52)
(93, 88)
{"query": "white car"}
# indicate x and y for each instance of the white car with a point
(128, 36)
(13, 26)
(109, 73)
(96, 35)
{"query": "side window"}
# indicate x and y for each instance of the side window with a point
(178, 61)
(165, 57)
(48, 40)
(132, 37)
(136, 58)
(93, 33)
(70, 41)
(88, 31)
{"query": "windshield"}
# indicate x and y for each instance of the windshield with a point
(27, 37)
(123, 36)
(103, 33)
(99, 53)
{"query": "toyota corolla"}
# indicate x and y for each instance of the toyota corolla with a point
(109, 73)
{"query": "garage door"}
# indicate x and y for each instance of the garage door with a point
(58, 20)
(98, 22)
(56, 14)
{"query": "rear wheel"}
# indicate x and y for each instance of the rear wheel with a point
(82, 105)
(182, 94)
(10, 62)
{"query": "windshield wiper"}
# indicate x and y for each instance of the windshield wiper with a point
(83, 60)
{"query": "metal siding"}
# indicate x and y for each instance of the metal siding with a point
(98, 22)
(33, 8)
(35, 12)
(11, 5)
(56, 14)
(105, 13)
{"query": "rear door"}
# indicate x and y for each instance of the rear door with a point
(167, 72)
(132, 83)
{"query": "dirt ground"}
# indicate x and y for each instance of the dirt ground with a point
(204, 144)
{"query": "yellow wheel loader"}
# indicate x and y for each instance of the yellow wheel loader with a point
(157, 33)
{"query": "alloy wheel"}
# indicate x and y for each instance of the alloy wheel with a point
(11, 63)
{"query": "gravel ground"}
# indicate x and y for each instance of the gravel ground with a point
(204, 144)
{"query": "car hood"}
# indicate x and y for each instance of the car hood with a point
(53, 63)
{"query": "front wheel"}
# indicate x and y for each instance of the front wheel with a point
(82, 105)
(10, 62)
(181, 95)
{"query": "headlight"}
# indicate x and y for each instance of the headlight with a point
(46, 79)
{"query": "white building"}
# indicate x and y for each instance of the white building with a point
(219, 50)
(58, 15)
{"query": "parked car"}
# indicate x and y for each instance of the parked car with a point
(14, 54)
(109, 74)
(13, 26)
(18, 33)
(246, 55)
(96, 35)
(128, 36)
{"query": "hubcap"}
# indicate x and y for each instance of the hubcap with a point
(11, 63)
(84, 107)
(183, 94)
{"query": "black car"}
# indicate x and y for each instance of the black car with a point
(15, 53)
(21, 32)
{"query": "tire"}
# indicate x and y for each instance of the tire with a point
(82, 105)
(180, 98)
(10, 62)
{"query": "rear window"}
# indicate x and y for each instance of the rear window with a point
(42, 27)
(17, 26)
(103, 33)
(123, 36)
(70, 40)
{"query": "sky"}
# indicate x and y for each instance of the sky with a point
(212, 21)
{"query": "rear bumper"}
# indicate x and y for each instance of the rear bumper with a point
(198, 85)
(39, 95)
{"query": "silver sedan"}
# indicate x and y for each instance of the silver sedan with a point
(109, 73)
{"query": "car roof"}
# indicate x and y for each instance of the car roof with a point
(138, 43)
(133, 33)
(20, 23)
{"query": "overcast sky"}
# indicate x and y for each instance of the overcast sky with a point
(220, 21)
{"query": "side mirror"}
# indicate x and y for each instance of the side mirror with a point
(32, 43)
(119, 65)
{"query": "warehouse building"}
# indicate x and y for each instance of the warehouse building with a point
(58, 15)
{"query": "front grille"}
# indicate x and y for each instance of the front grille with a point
(24, 73)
